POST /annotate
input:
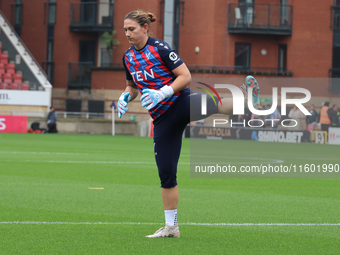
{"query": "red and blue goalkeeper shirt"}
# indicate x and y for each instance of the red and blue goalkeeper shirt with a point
(151, 68)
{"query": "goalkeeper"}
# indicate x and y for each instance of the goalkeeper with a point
(159, 74)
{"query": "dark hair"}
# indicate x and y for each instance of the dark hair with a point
(326, 103)
(141, 17)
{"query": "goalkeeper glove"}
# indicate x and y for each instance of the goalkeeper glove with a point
(152, 97)
(122, 102)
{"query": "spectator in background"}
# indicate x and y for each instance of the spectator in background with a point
(258, 120)
(333, 116)
(236, 120)
(275, 116)
(297, 115)
(246, 117)
(267, 107)
(324, 118)
(312, 119)
(52, 121)
(267, 117)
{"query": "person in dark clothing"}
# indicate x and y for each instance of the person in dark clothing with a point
(51, 121)
(314, 117)
(333, 116)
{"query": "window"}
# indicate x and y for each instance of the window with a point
(247, 9)
(242, 55)
(97, 108)
(51, 12)
(18, 12)
(282, 67)
(16, 16)
(336, 57)
(176, 26)
(51, 19)
(245, 1)
(87, 51)
(284, 12)
(74, 107)
(336, 2)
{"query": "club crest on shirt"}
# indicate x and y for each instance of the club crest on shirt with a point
(148, 55)
(131, 56)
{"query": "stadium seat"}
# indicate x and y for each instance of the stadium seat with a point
(3, 85)
(4, 58)
(17, 77)
(7, 77)
(14, 86)
(25, 86)
(2, 69)
(10, 68)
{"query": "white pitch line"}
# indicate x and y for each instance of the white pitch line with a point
(42, 152)
(271, 161)
(81, 162)
(131, 162)
(153, 223)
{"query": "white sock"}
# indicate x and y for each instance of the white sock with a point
(170, 217)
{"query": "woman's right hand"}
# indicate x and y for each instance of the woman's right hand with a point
(122, 103)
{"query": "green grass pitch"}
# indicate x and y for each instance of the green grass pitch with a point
(46, 206)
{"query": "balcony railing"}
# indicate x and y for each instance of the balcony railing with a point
(91, 16)
(79, 75)
(275, 71)
(27, 86)
(106, 58)
(260, 18)
(335, 17)
(110, 66)
(334, 84)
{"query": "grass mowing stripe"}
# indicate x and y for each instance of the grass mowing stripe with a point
(128, 162)
(81, 162)
(154, 223)
(47, 208)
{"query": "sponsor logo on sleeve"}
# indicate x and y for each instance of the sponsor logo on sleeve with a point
(173, 56)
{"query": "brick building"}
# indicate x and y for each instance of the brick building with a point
(216, 39)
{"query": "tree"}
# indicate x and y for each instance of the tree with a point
(110, 41)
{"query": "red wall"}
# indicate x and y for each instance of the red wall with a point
(205, 24)
(310, 46)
